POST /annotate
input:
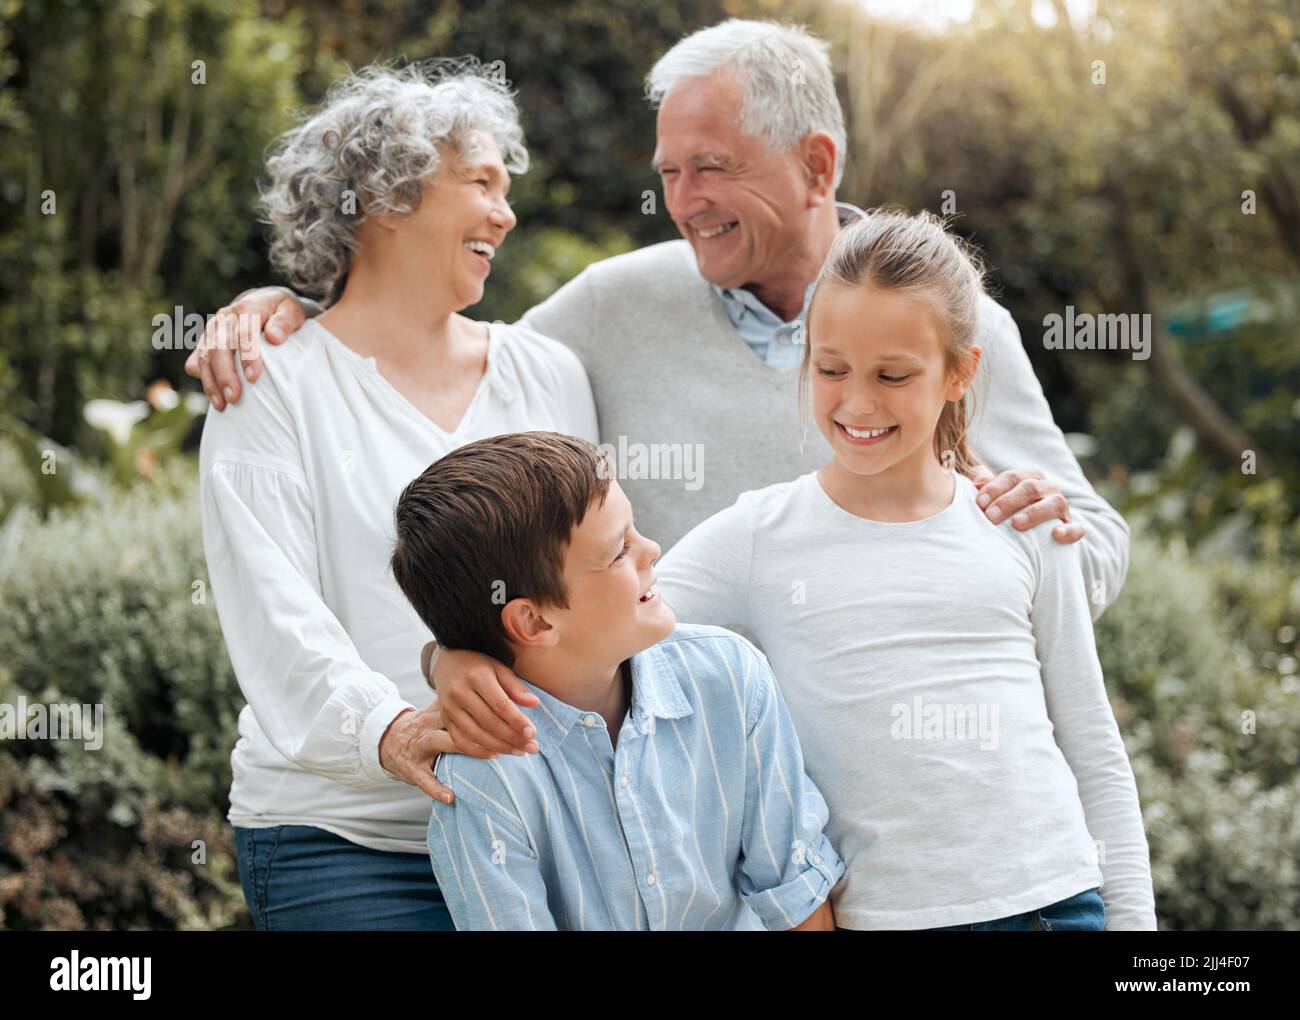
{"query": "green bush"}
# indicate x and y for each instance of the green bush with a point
(109, 604)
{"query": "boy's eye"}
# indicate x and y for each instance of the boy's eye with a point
(895, 378)
(626, 547)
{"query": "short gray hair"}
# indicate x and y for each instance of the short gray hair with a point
(380, 134)
(789, 86)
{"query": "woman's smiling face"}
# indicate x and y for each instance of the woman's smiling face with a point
(463, 218)
(880, 377)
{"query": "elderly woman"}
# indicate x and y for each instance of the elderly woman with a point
(391, 200)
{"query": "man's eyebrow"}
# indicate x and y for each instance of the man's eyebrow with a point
(699, 159)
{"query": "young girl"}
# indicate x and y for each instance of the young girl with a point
(940, 670)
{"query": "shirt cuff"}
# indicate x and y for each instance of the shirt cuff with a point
(372, 731)
(792, 903)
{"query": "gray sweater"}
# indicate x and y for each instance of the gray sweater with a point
(695, 418)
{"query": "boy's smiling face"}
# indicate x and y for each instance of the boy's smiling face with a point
(614, 611)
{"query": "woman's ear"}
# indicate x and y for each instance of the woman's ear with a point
(525, 625)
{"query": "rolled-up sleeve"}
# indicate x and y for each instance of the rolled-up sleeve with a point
(313, 696)
(788, 866)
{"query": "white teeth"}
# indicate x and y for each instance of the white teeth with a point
(482, 248)
(864, 433)
(648, 595)
(715, 231)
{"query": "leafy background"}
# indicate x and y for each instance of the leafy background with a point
(1127, 196)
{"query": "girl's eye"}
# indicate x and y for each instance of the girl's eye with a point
(895, 378)
(828, 373)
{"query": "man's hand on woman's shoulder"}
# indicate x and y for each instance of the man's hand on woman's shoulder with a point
(233, 337)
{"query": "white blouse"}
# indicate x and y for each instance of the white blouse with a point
(299, 481)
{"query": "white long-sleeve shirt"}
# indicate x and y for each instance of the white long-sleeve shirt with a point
(299, 481)
(943, 679)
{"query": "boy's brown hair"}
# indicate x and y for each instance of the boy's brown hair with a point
(488, 523)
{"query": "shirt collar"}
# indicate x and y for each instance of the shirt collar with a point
(656, 692)
(738, 300)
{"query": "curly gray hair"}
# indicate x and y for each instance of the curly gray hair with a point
(380, 135)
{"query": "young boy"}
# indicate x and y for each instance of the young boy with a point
(669, 789)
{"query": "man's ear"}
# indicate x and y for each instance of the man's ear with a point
(819, 157)
(526, 626)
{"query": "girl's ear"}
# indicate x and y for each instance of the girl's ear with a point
(962, 377)
(525, 625)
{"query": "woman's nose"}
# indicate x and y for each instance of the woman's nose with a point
(504, 216)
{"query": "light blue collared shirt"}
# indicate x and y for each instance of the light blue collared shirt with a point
(775, 342)
(702, 808)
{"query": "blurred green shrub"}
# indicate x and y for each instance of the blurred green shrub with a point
(109, 604)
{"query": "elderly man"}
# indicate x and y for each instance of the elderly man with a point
(692, 346)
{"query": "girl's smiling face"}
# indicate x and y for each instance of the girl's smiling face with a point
(880, 375)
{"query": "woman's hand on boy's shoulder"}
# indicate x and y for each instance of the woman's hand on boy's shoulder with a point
(479, 698)
(1027, 498)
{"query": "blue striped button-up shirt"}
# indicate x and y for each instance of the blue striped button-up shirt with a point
(702, 808)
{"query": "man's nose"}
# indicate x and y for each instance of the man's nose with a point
(684, 198)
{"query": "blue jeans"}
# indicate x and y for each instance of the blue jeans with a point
(1084, 912)
(301, 878)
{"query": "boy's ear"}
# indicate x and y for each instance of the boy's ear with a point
(526, 626)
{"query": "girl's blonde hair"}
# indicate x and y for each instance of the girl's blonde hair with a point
(916, 255)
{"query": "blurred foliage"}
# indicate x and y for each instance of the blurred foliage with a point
(144, 196)
(109, 605)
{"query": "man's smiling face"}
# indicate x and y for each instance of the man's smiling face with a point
(744, 210)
